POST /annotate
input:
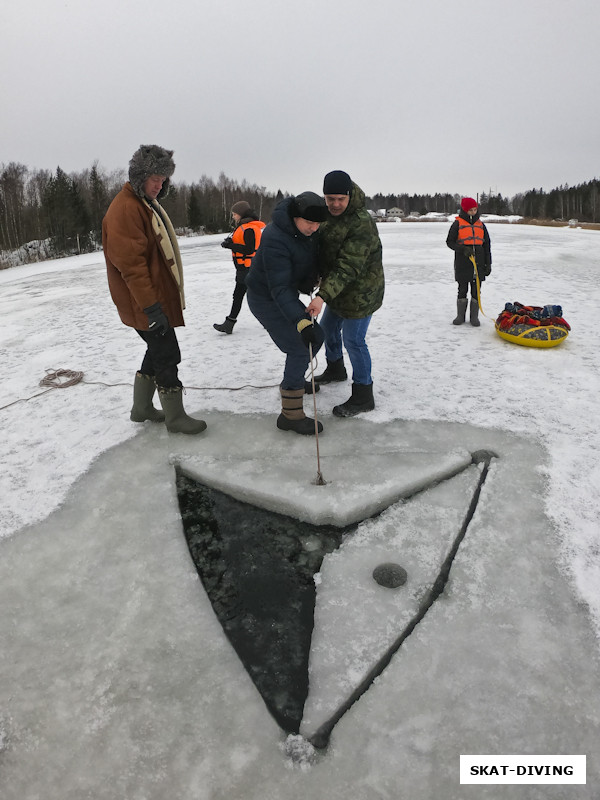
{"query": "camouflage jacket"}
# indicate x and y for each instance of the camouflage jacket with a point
(351, 268)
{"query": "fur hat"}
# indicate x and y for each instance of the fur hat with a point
(241, 208)
(150, 159)
(337, 182)
(467, 203)
(310, 206)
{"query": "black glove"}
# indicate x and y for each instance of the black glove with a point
(157, 320)
(227, 243)
(467, 251)
(311, 333)
(487, 270)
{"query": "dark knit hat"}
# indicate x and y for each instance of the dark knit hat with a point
(241, 208)
(337, 182)
(467, 203)
(310, 206)
(150, 159)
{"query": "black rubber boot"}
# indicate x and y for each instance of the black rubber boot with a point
(474, 314)
(225, 327)
(176, 419)
(292, 417)
(143, 392)
(461, 310)
(335, 372)
(361, 400)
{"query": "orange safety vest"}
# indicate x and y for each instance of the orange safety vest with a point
(240, 259)
(471, 233)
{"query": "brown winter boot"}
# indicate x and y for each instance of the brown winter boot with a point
(143, 392)
(292, 417)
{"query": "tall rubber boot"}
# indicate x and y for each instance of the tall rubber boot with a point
(334, 372)
(292, 417)
(143, 392)
(225, 327)
(461, 310)
(360, 401)
(474, 314)
(176, 419)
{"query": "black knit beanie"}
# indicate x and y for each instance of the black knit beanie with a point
(337, 182)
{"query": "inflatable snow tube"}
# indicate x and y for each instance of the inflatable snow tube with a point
(532, 326)
(546, 336)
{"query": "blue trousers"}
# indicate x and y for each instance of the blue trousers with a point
(286, 337)
(351, 333)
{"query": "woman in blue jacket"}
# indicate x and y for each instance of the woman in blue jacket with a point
(285, 265)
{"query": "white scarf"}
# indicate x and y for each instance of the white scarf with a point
(167, 238)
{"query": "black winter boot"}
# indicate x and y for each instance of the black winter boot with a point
(361, 400)
(334, 372)
(308, 386)
(225, 327)
(292, 417)
(176, 419)
(143, 392)
(474, 314)
(461, 310)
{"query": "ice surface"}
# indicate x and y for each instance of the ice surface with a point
(116, 680)
(356, 620)
(358, 485)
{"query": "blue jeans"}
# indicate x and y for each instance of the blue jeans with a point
(286, 337)
(352, 333)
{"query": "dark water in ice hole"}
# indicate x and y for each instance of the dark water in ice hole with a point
(257, 568)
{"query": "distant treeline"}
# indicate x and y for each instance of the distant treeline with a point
(65, 210)
(564, 203)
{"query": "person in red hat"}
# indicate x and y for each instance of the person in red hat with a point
(469, 238)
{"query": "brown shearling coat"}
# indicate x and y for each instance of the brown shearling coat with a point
(139, 274)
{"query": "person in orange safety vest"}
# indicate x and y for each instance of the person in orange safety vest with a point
(468, 237)
(243, 244)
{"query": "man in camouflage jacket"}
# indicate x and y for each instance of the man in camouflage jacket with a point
(352, 285)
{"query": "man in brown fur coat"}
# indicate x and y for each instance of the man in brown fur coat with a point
(145, 278)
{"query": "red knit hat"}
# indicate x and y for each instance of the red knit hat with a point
(467, 203)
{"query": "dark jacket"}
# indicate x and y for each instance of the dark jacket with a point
(463, 266)
(350, 261)
(285, 264)
(139, 274)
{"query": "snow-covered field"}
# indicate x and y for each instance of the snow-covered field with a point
(116, 679)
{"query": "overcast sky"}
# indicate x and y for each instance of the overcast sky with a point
(420, 97)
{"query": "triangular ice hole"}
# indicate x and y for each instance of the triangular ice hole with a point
(257, 568)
